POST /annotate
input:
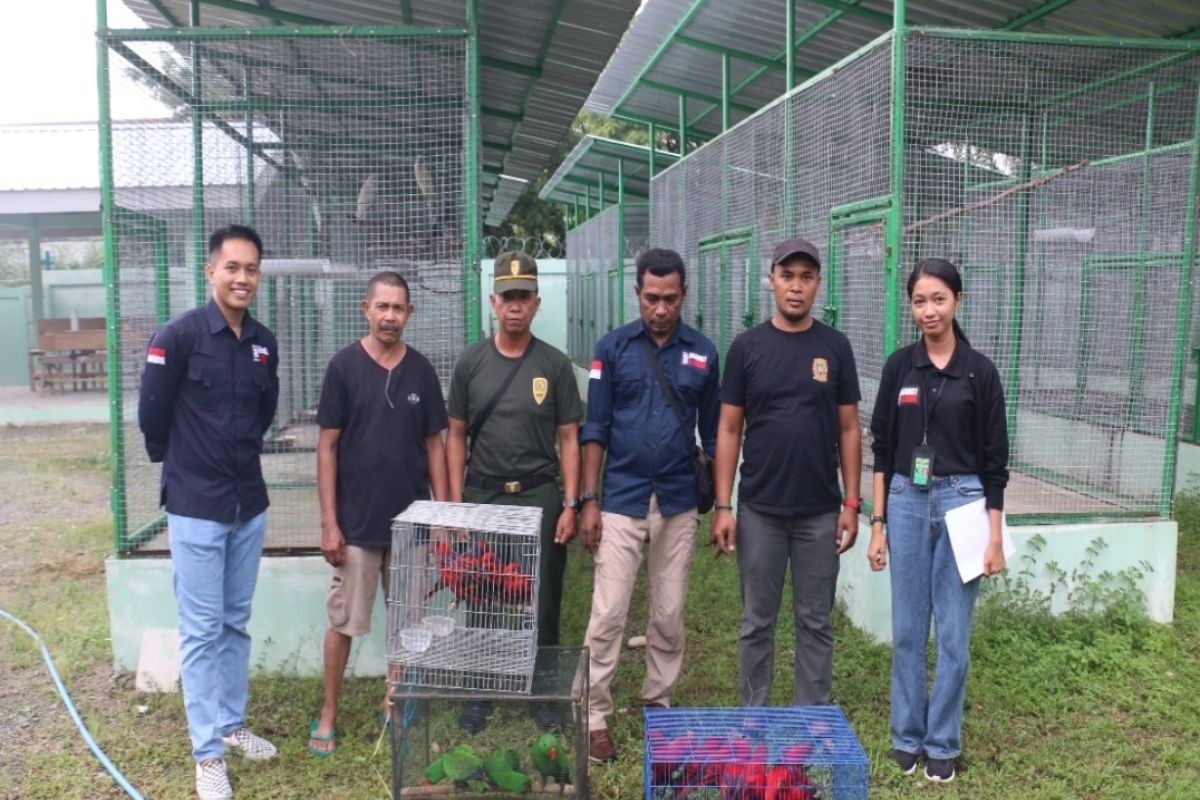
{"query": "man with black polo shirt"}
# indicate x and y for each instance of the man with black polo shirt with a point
(791, 383)
(381, 416)
(208, 394)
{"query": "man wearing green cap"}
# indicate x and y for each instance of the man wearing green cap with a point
(516, 398)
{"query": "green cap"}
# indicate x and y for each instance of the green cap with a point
(515, 272)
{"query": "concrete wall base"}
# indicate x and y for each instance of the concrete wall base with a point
(868, 595)
(287, 623)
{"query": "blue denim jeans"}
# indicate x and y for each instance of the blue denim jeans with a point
(925, 581)
(216, 567)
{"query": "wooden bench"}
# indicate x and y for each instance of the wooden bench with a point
(66, 359)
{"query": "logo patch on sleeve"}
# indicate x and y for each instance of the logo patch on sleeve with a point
(260, 353)
(695, 360)
(156, 355)
(597, 370)
(909, 396)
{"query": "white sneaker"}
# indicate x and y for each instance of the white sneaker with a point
(212, 783)
(250, 745)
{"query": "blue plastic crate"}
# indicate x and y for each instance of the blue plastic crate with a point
(794, 753)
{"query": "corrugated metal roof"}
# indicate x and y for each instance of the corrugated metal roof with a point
(638, 86)
(67, 156)
(539, 60)
(577, 176)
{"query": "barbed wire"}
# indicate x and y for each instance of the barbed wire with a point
(546, 246)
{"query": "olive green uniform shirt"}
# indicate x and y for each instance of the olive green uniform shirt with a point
(520, 437)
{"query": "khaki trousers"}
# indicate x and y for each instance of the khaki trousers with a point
(672, 543)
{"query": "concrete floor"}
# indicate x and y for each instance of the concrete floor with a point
(19, 405)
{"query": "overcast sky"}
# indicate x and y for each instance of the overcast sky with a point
(48, 60)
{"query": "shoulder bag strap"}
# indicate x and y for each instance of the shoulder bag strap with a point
(477, 424)
(667, 391)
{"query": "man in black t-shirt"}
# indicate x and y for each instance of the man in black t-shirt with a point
(380, 448)
(792, 385)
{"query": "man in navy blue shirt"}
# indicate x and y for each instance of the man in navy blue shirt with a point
(208, 394)
(649, 483)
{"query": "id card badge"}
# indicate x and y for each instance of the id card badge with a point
(922, 467)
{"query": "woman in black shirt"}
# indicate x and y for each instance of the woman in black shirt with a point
(940, 441)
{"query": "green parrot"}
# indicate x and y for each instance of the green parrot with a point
(503, 768)
(459, 764)
(550, 760)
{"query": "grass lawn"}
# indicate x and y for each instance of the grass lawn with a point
(1096, 707)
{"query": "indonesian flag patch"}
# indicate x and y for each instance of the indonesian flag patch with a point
(156, 355)
(596, 371)
(695, 360)
(260, 353)
(909, 395)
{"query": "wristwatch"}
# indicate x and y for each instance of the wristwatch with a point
(573, 504)
(585, 497)
(876, 518)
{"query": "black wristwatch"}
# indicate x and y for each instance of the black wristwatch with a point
(876, 518)
(585, 497)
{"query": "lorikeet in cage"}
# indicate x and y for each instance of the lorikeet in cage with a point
(503, 768)
(550, 760)
(789, 782)
(707, 766)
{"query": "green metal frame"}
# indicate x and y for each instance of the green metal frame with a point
(1183, 313)
(471, 190)
(721, 244)
(874, 211)
(116, 406)
(1138, 264)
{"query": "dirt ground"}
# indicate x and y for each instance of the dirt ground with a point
(53, 519)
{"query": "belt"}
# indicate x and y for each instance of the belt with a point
(507, 487)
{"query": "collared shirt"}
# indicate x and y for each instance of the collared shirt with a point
(629, 416)
(964, 405)
(205, 401)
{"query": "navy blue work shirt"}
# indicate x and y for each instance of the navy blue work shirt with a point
(205, 401)
(629, 416)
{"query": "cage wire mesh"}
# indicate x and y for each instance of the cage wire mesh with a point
(1055, 174)
(427, 723)
(800, 753)
(601, 256)
(462, 610)
(346, 152)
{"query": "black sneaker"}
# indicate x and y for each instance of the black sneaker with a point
(473, 718)
(907, 762)
(940, 770)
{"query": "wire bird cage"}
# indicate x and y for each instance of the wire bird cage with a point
(796, 753)
(1059, 173)
(462, 611)
(349, 152)
(427, 724)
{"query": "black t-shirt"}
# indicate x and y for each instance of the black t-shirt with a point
(384, 418)
(790, 385)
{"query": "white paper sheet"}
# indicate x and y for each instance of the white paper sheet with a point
(970, 531)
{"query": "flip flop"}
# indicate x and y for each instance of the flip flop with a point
(329, 739)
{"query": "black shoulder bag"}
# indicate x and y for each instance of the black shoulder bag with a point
(477, 424)
(701, 463)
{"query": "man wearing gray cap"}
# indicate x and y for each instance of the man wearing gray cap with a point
(792, 386)
(512, 399)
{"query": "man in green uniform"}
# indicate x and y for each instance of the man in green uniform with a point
(529, 387)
